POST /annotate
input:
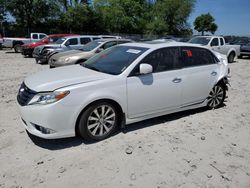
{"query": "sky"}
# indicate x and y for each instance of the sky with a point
(231, 16)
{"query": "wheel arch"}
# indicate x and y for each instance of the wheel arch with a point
(231, 51)
(223, 81)
(80, 61)
(113, 102)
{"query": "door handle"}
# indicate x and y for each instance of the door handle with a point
(214, 73)
(177, 80)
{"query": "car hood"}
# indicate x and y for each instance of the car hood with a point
(53, 79)
(66, 53)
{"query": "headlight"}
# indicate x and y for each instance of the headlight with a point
(48, 98)
(67, 59)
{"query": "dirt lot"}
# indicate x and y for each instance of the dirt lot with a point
(198, 148)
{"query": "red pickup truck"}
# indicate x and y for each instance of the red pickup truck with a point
(27, 49)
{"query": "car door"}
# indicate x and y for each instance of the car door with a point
(200, 72)
(84, 40)
(159, 91)
(73, 43)
(215, 45)
(223, 48)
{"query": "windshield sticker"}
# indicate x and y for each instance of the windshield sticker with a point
(133, 51)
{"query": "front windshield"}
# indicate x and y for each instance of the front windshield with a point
(200, 40)
(114, 60)
(91, 46)
(60, 41)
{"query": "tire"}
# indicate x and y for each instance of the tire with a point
(18, 48)
(51, 67)
(231, 57)
(216, 96)
(98, 121)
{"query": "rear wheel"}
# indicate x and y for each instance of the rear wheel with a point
(231, 57)
(18, 48)
(98, 121)
(216, 96)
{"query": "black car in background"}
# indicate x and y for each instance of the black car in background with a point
(244, 50)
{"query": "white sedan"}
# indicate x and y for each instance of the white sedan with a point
(122, 85)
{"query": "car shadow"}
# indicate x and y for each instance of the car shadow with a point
(59, 144)
(162, 119)
(11, 52)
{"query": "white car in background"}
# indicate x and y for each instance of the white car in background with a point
(122, 85)
(218, 44)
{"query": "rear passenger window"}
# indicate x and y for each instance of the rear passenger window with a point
(215, 42)
(163, 59)
(221, 41)
(84, 40)
(41, 36)
(196, 57)
(73, 41)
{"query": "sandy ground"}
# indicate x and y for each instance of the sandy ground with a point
(198, 148)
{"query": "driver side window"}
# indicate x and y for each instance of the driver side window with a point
(161, 60)
(215, 42)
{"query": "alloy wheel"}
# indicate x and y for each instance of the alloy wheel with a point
(215, 97)
(101, 120)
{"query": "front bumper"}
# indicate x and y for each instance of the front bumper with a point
(55, 63)
(41, 59)
(245, 53)
(52, 116)
(27, 51)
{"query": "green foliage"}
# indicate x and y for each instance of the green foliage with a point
(80, 18)
(29, 13)
(2, 10)
(102, 16)
(122, 16)
(170, 17)
(205, 23)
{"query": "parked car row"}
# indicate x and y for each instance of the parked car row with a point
(115, 82)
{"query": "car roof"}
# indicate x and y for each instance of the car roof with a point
(79, 36)
(112, 39)
(157, 45)
(62, 35)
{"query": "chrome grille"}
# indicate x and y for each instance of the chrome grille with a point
(25, 95)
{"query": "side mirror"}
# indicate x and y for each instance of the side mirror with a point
(99, 50)
(146, 69)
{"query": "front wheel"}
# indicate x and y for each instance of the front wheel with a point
(216, 97)
(98, 121)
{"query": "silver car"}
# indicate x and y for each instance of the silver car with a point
(89, 50)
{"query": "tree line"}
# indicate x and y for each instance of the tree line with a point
(150, 17)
